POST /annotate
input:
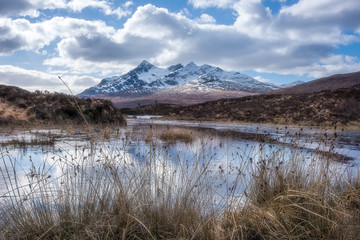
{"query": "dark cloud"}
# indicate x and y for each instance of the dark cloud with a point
(85, 81)
(9, 45)
(312, 51)
(215, 46)
(14, 7)
(100, 49)
(4, 31)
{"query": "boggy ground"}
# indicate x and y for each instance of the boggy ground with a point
(341, 106)
(106, 194)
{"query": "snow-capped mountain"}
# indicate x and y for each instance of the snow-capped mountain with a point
(147, 79)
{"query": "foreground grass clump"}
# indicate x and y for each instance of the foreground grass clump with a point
(103, 192)
(298, 208)
(173, 135)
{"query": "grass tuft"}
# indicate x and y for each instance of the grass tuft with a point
(174, 135)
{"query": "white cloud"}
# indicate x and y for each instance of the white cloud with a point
(205, 18)
(257, 41)
(28, 79)
(156, 23)
(21, 34)
(211, 3)
(32, 7)
(185, 12)
(295, 41)
(28, 7)
(326, 66)
(253, 19)
(36, 80)
(322, 9)
(82, 66)
(79, 5)
(333, 64)
(128, 4)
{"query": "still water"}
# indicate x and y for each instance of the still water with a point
(228, 152)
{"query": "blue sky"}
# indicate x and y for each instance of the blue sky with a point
(86, 40)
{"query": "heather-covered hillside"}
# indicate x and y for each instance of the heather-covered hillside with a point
(325, 107)
(321, 84)
(18, 106)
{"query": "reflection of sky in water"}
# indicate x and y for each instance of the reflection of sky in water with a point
(347, 142)
(229, 162)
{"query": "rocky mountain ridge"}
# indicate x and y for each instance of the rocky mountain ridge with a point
(148, 79)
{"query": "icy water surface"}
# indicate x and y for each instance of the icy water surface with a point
(344, 142)
(227, 151)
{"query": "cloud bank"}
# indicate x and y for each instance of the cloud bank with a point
(299, 39)
(290, 42)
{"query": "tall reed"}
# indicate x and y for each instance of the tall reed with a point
(101, 191)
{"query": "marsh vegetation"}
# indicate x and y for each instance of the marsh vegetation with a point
(133, 183)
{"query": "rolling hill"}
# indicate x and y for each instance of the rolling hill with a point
(326, 83)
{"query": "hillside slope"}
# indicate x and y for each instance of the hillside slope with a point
(326, 83)
(326, 107)
(173, 97)
(18, 106)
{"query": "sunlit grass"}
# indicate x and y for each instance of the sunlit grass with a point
(174, 135)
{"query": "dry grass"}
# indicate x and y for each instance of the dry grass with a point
(32, 142)
(298, 206)
(108, 194)
(174, 135)
(12, 112)
(18, 106)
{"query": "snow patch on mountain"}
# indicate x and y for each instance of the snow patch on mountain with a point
(147, 78)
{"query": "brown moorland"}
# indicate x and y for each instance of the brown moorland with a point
(325, 107)
(326, 83)
(18, 106)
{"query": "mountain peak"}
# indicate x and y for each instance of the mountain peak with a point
(191, 64)
(144, 62)
(145, 65)
(148, 79)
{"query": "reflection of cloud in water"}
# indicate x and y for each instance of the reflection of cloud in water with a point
(224, 166)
